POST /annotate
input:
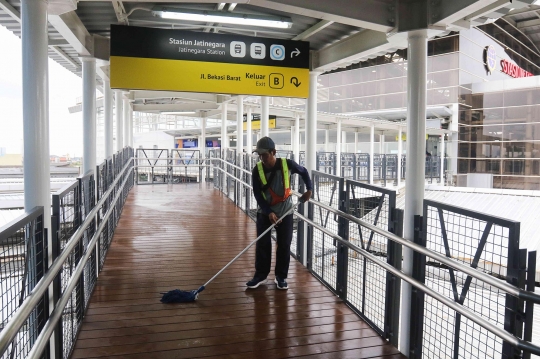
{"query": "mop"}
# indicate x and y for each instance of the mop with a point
(182, 296)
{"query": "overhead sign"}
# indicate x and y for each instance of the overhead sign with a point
(256, 125)
(175, 60)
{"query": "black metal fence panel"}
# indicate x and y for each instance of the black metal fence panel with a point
(487, 243)
(323, 249)
(23, 263)
(366, 287)
(186, 158)
(152, 166)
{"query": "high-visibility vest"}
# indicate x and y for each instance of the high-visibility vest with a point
(286, 183)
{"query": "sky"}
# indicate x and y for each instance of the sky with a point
(65, 129)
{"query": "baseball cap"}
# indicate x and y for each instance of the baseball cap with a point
(264, 145)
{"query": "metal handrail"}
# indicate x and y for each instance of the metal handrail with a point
(516, 292)
(520, 343)
(17, 321)
(49, 327)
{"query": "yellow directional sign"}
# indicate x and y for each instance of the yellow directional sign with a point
(213, 77)
(256, 125)
(175, 60)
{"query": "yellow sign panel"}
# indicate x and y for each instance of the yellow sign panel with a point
(256, 125)
(212, 77)
(404, 137)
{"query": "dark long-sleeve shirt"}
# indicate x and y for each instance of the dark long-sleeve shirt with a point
(277, 186)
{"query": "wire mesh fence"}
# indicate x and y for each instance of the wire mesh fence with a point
(23, 263)
(488, 244)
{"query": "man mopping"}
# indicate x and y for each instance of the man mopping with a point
(271, 179)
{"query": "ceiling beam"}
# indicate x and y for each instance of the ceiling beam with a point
(355, 48)
(10, 10)
(65, 56)
(120, 12)
(532, 9)
(367, 14)
(175, 107)
(313, 30)
(73, 30)
(147, 95)
(527, 23)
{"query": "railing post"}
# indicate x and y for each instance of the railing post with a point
(309, 236)
(57, 283)
(417, 296)
(393, 283)
(300, 232)
(529, 310)
(513, 306)
(342, 250)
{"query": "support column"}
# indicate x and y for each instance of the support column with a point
(127, 118)
(338, 148)
(239, 124)
(224, 135)
(416, 154)
(35, 101)
(296, 138)
(130, 142)
(326, 140)
(371, 151)
(265, 115)
(119, 120)
(381, 144)
(108, 115)
(249, 134)
(399, 154)
(311, 140)
(442, 161)
(202, 147)
(356, 142)
(89, 114)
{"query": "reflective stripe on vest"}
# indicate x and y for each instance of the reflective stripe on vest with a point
(286, 183)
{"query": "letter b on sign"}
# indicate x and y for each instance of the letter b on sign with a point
(276, 81)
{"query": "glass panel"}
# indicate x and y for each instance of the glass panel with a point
(322, 95)
(442, 96)
(392, 101)
(521, 97)
(393, 85)
(486, 133)
(323, 106)
(322, 81)
(522, 132)
(444, 62)
(492, 116)
(442, 79)
(391, 71)
(522, 114)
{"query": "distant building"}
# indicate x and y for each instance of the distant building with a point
(11, 160)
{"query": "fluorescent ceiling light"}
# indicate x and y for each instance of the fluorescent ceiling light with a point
(225, 18)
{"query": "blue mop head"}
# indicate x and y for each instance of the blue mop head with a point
(181, 296)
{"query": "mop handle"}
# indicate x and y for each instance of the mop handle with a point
(252, 243)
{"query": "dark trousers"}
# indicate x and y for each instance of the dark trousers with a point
(263, 253)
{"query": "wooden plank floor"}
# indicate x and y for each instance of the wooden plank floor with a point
(178, 237)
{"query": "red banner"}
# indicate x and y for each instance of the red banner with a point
(514, 70)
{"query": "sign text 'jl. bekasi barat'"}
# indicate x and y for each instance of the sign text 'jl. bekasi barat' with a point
(175, 60)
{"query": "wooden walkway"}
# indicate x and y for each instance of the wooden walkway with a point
(178, 237)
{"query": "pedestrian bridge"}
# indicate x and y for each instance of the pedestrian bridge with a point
(118, 245)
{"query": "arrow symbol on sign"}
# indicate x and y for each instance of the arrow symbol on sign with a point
(296, 52)
(295, 82)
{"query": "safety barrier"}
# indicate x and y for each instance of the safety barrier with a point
(84, 216)
(354, 247)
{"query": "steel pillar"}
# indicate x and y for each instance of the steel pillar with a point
(224, 135)
(416, 158)
(371, 151)
(338, 148)
(127, 118)
(35, 101)
(119, 120)
(400, 152)
(265, 115)
(296, 138)
(249, 133)
(108, 115)
(89, 114)
(239, 124)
